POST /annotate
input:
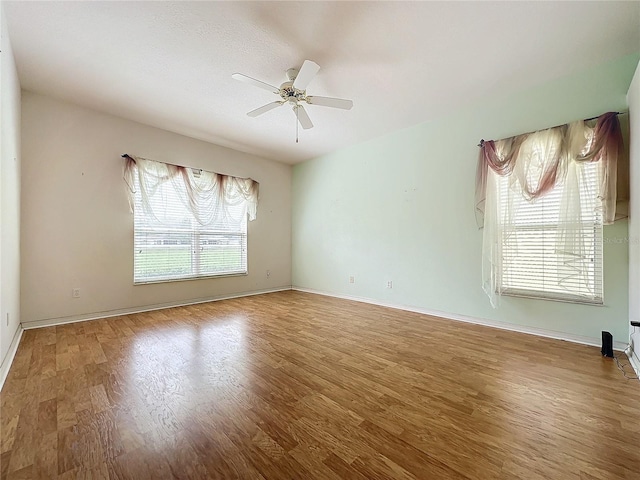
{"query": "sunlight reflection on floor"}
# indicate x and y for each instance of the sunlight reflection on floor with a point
(176, 372)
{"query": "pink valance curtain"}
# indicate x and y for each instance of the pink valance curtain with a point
(559, 145)
(207, 195)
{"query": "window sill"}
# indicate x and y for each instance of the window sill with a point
(553, 298)
(186, 279)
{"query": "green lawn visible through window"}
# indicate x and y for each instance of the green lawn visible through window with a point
(164, 262)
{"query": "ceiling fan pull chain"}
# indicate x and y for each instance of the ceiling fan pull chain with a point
(297, 122)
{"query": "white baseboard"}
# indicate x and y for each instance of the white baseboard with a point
(634, 360)
(11, 353)
(49, 322)
(541, 332)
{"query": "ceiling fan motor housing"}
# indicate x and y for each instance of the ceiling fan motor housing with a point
(291, 94)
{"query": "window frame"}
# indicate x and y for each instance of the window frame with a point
(195, 246)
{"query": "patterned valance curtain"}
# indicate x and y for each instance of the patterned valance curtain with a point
(533, 164)
(207, 195)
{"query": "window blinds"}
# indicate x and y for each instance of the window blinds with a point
(170, 244)
(531, 235)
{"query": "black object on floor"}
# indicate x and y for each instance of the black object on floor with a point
(607, 344)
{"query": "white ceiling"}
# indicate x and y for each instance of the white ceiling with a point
(169, 64)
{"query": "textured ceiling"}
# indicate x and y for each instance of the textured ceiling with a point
(169, 64)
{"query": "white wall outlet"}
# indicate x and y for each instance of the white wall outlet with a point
(352, 279)
(75, 293)
(268, 273)
(389, 284)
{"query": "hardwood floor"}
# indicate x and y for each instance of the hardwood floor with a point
(297, 386)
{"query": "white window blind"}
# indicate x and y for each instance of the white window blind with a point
(533, 261)
(172, 245)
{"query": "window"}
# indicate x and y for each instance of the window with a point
(542, 199)
(532, 238)
(170, 243)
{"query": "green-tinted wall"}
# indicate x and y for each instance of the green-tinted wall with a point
(401, 208)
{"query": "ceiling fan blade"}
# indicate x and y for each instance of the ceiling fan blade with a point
(303, 117)
(256, 83)
(331, 102)
(306, 74)
(264, 109)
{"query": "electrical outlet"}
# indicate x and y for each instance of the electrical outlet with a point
(352, 279)
(635, 324)
(389, 284)
(75, 293)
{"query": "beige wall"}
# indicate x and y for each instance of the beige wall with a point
(77, 231)
(9, 199)
(633, 98)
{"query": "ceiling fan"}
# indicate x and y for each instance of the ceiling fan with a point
(294, 92)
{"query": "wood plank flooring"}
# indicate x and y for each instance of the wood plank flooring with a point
(292, 385)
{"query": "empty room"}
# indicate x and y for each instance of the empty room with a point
(320, 240)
